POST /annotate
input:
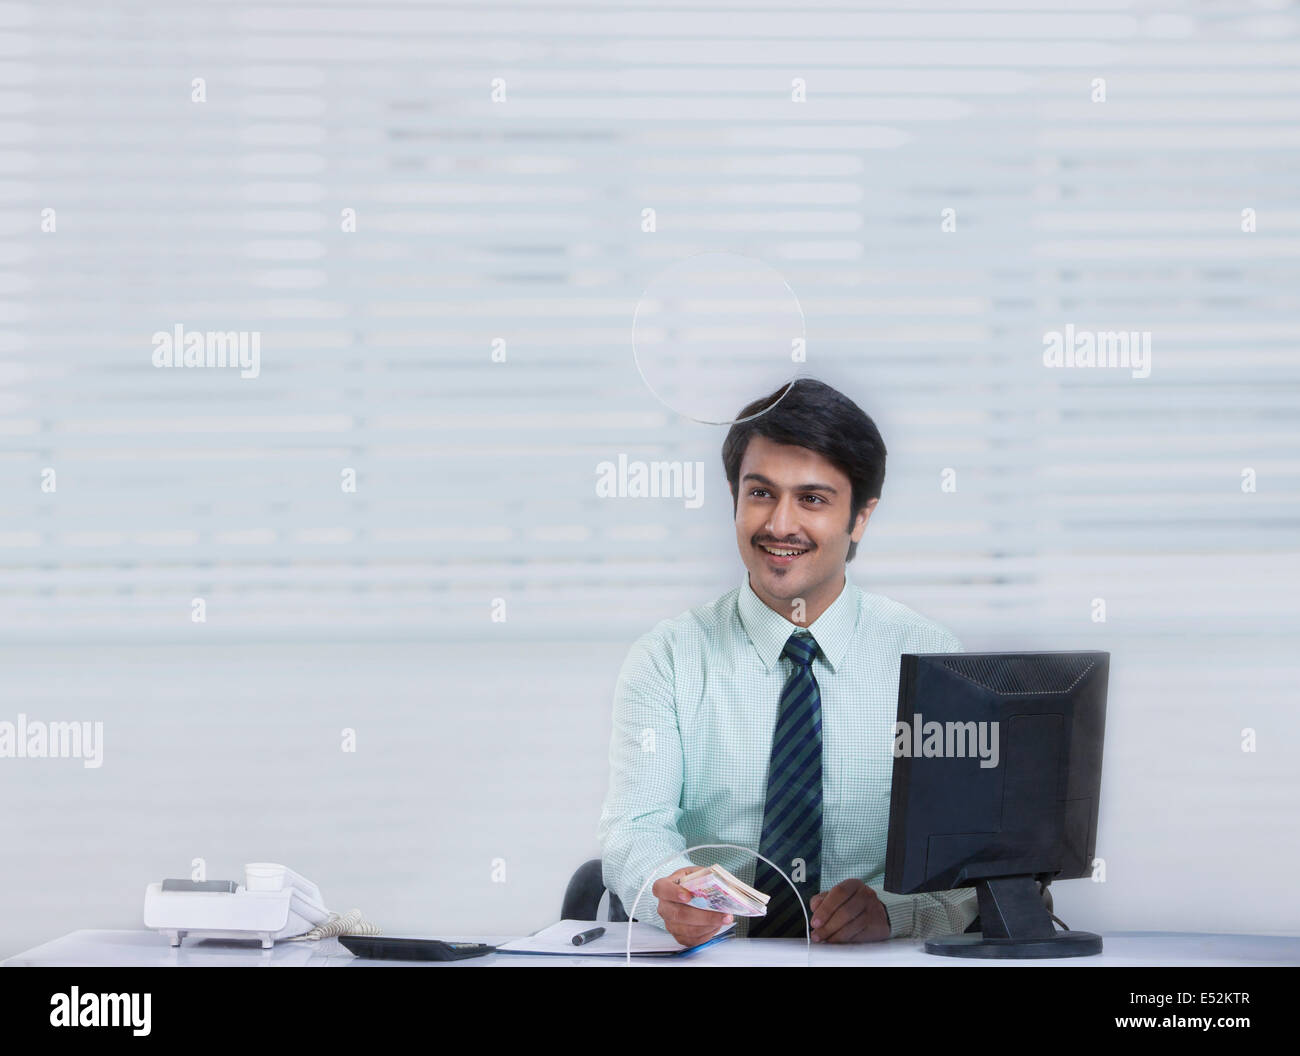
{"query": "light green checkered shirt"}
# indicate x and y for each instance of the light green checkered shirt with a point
(694, 712)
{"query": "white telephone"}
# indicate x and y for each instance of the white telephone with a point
(272, 903)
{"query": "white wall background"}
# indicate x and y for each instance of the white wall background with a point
(481, 740)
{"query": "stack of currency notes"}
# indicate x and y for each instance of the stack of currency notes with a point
(716, 889)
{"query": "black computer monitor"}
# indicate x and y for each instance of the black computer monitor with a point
(997, 771)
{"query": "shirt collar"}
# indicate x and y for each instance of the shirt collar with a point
(769, 631)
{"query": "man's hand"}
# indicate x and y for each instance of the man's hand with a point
(689, 925)
(848, 912)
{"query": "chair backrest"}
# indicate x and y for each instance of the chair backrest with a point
(582, 896)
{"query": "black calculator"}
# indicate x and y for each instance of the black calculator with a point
(387, 948)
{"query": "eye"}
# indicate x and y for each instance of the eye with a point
(817, 497)
(756, 491)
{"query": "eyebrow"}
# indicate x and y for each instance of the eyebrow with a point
(802, 487)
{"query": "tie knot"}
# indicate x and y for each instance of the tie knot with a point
(801, 648)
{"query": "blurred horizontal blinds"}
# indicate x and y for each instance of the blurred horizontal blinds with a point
(428, 220)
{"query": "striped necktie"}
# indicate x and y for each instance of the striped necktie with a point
(792, 815)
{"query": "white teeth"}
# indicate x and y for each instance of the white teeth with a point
(781, 553)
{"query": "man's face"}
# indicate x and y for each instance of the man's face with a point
(793, 499)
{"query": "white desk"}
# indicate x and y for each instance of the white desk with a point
(142, 949)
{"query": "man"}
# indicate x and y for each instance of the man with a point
(765, 719)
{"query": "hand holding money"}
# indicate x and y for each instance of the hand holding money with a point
(687, 924)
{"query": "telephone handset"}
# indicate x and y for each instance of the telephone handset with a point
(272, 903)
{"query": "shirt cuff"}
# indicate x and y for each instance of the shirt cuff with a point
(648, 910)
(901, 910)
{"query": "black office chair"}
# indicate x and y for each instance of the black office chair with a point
(582, 896)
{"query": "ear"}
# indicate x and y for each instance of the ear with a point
(860, 522)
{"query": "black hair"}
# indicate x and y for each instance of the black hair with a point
(809, 413)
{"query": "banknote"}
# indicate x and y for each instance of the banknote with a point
(716, 889)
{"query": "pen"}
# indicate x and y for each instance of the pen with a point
(588, 936)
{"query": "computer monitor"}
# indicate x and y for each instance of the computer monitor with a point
(997, 771)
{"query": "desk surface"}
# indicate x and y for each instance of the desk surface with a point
(142, 949)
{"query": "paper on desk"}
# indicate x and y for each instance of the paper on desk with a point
(558, 938)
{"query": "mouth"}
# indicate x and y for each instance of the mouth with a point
(781, 556)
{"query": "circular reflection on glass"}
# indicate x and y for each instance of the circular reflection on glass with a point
(714, 332)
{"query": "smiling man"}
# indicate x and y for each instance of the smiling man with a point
(765, 718)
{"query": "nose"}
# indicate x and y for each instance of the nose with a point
(784, 521)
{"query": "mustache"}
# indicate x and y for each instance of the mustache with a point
(781, 543)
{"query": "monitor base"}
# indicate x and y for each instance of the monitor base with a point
(1062, 944)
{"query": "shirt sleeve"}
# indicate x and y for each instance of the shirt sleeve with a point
(638, 822)
(931, 913)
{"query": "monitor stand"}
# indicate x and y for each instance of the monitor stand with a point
(1015, 923)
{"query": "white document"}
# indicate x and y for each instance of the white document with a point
(646, 940)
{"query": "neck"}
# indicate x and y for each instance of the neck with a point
(813, 607)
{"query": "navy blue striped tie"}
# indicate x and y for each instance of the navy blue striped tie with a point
(792, 816)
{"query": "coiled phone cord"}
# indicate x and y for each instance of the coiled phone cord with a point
(351, 924)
